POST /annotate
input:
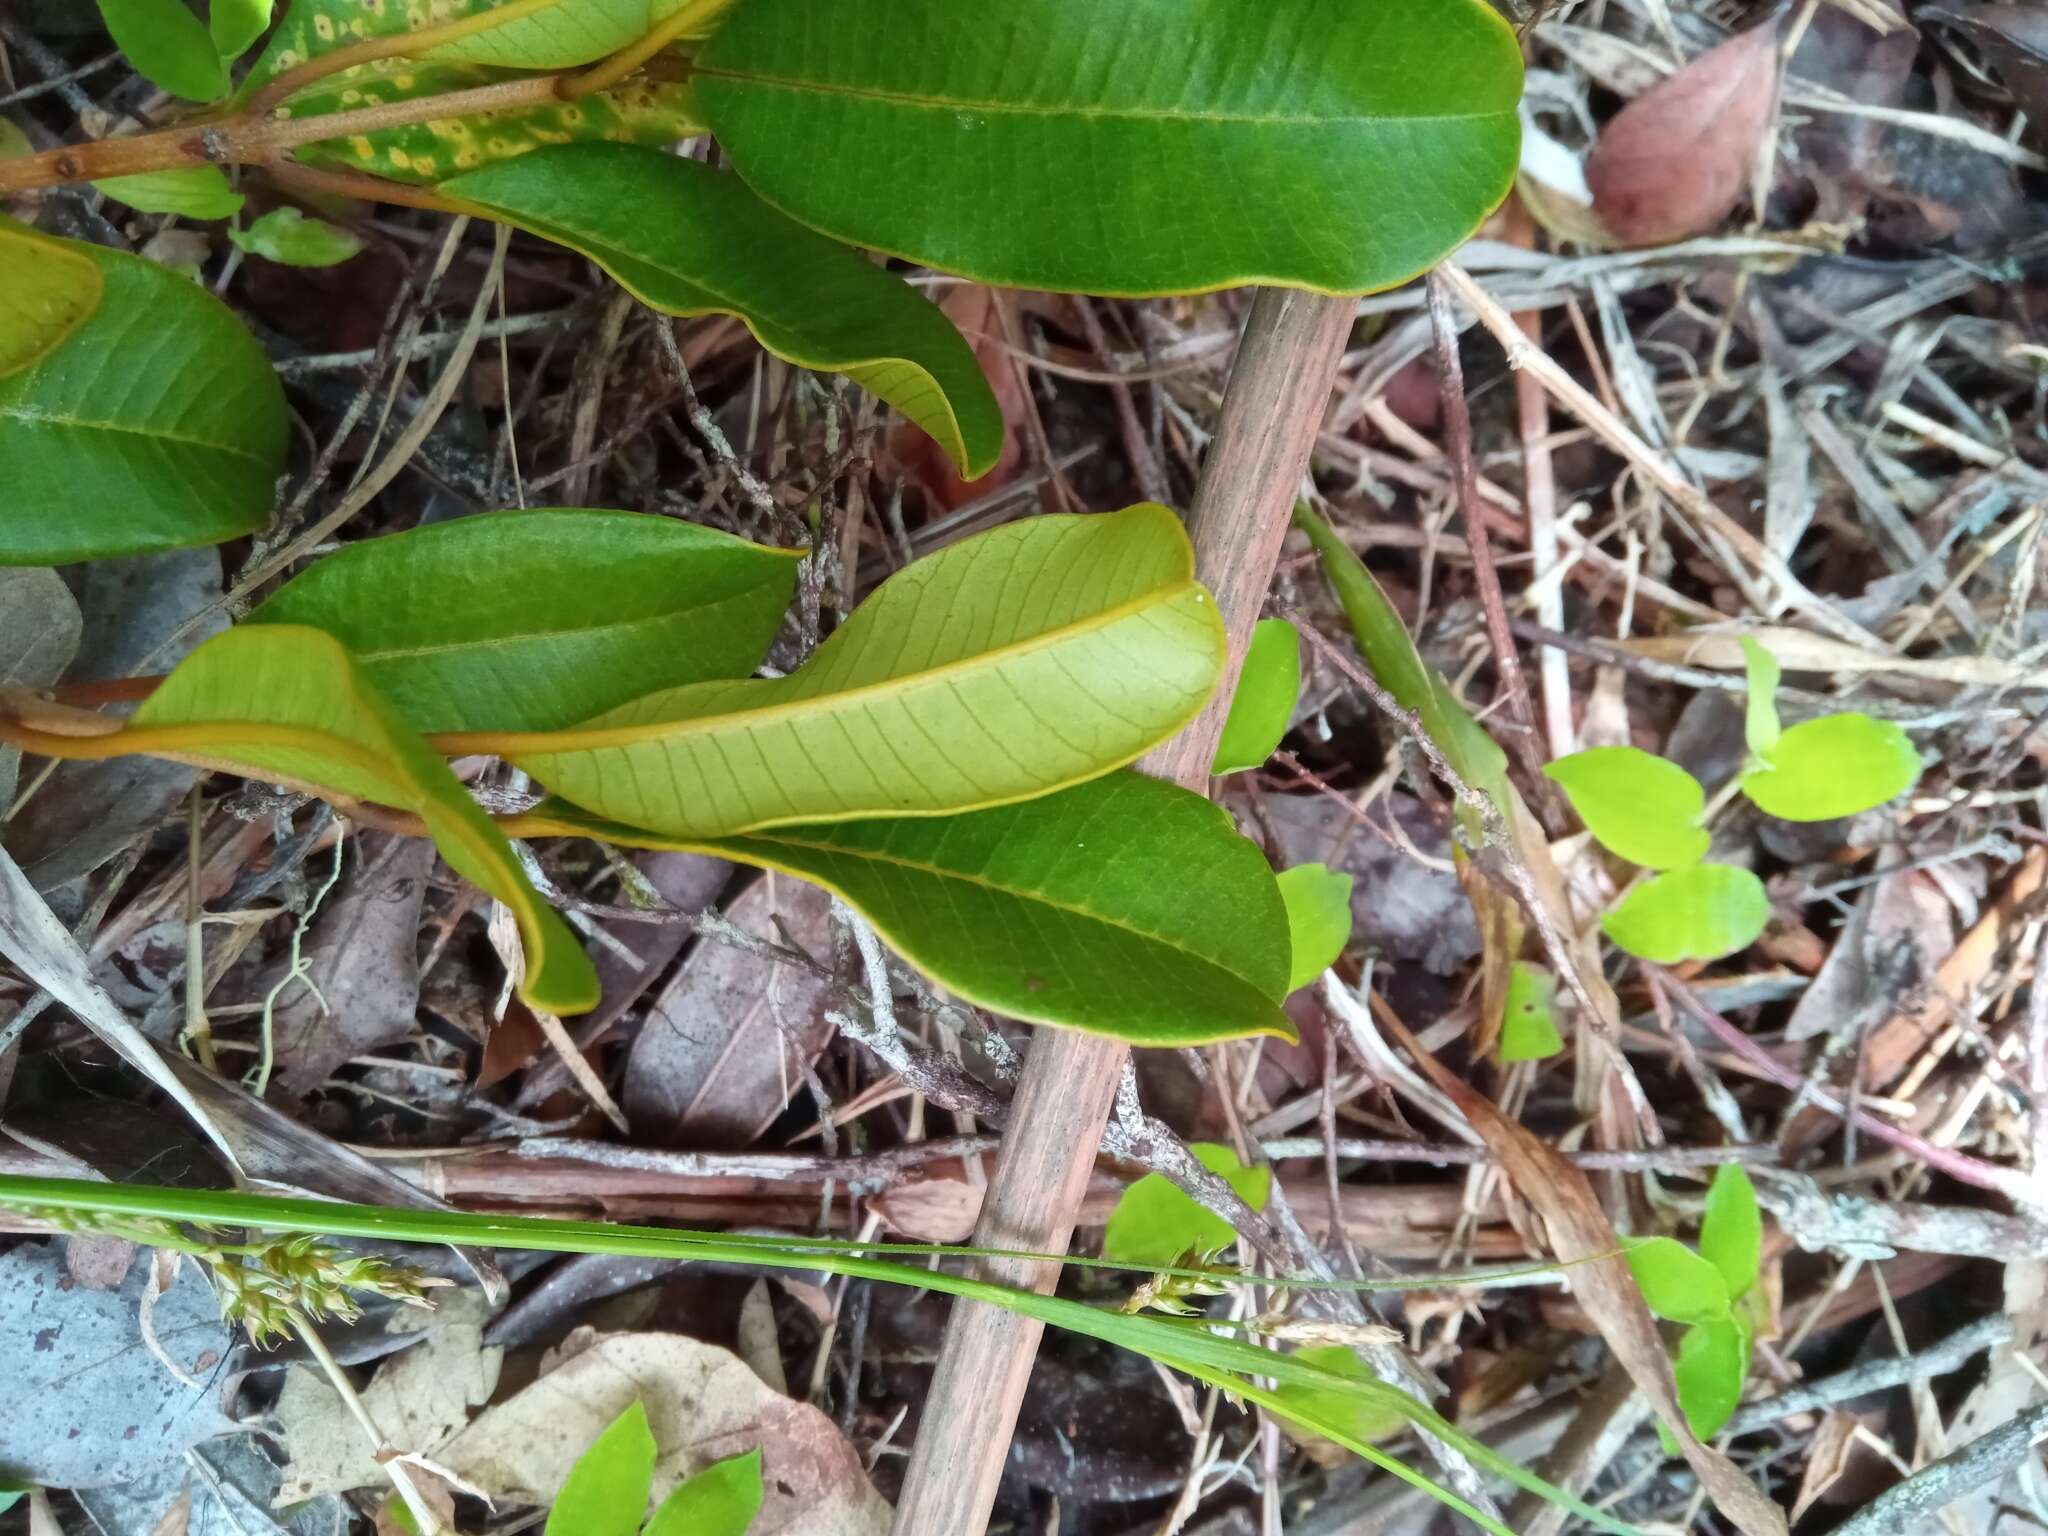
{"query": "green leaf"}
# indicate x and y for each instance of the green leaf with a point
(286, 703)
(287, 237)
(1641, 807)
(1122, 906)
(655, 113)
(1392, 658)
(690, 240)
(1834, 766)
(1732, 1231)
(1152, 146)
(1318, 919)
(1710, 1366)
(1364, 1418)
(722, 1500)
(1155, 1224)
(52, 287)
(1007, 665)
(158, 424)
(1760, 725)
(11, 1493)
(1263, 706)
(169, 45)
(236, 24)
(1528, 1025)
(1676, 1282)
(1701, 912)
(606, 1492)
(196, 192)
(533, 620)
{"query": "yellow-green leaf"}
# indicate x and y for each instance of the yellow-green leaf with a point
(1837, 765)
(1008, 665)
(1263, 706)
(51, 287)
(289, 704)
(1641, 807)
(639, 110)
(690, 240)
(1760, 724)
(195, 192)
(1122, 906)
(1318, 919)
(1700, 912)
(1155, 1224)
(236, 24)
(1528, 1026)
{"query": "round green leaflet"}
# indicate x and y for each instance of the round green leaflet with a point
(1145, 147)
(1701, 912)
(1641, 807)
(1835, 766)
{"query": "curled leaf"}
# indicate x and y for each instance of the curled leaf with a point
(691, 240)
(1263, 706)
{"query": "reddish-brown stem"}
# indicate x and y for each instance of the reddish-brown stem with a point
(248, 140)
(1959, 1166)
(1528, 747)
(301, 180)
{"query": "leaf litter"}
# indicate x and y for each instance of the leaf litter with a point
(1857, 353)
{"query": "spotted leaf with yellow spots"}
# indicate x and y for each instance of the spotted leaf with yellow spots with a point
(560, 35)
(637, 111)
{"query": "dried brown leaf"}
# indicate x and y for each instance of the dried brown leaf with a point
(1827, 1458)
(1674, 162)
(712, 1065)
(703, 1405)
(2014, 38)
(1583, 1238)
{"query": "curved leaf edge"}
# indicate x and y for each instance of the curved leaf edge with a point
(558, 818)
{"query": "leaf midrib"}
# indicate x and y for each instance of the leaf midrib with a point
(548, 743)
(940, 872)
(49, 419)
(1066, 110)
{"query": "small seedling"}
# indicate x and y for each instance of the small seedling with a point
(1714, 1293)
(608, 1489)
(1156, 1226)
(1652, 812)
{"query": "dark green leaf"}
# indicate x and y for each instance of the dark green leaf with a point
(1837, 765)
(286, 703)
(606, 1492)
(169, 45)
(157, 424)
(1760, 726)
(1318, 919)
(1154, 1223)
(690, 240)
(1528, 1026)
(722, 1500)
(534, 620)
(1009, 664)
(236, 24)
(288, 237)
(1263, 706)
(11, 1493)
(196, 192)
(1122, 906)
(1641, 807)
(1152, 146)
(1711, 1364)
(51, 287)
(1732, 1231)
(1676, 1282)
(1701, 912)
